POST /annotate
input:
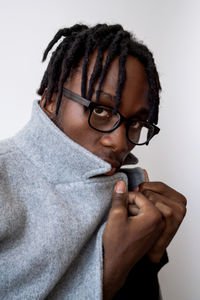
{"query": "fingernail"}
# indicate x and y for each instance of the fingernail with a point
(120, 187)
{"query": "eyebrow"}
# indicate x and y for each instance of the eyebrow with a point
(109, 96)
(143, 112)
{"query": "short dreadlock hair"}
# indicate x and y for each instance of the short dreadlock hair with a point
(79, 42)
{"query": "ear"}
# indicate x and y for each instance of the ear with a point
(50, 108)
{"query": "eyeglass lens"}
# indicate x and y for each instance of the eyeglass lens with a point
(102, 118)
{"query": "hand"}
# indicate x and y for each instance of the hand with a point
(172, 206)
(127, 238)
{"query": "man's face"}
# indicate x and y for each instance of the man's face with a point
(112, 147)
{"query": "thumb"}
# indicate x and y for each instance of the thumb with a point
(119, 197)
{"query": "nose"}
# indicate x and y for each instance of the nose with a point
(116, 139)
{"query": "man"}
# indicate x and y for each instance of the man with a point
(70, 229)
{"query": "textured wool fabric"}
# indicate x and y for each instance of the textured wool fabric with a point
(53, 209)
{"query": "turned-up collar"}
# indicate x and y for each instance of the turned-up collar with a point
(57, 157)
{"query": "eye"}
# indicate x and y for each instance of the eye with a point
(102, 112)
(136, 124)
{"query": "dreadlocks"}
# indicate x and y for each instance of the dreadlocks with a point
(80, 41)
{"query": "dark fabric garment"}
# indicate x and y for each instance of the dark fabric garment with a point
(142, 281)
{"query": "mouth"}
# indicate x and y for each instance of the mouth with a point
(115, 167)
(111, 172)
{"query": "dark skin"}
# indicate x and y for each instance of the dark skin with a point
(112, 147)
(150, 219)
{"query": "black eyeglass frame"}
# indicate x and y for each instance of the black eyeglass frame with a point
(91, 105)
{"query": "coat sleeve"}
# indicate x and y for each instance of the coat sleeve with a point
(142, 281)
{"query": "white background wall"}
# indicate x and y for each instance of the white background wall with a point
(172, 30)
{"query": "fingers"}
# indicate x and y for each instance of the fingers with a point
(118, 210)
(133, 209)
(139, 203)
(171, 227)
(119, 194)
(166, 211)
(137, 199)
(155, 197)
(163, 189)
(172, 207)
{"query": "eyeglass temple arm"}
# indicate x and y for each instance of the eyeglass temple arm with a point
(69, 94)
(156, 129)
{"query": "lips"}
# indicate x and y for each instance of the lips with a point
(115, 167)
(111, 172)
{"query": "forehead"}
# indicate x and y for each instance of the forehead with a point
(135, 91)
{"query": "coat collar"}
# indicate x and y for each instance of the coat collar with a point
(57, 157)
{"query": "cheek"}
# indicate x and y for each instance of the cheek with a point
(130, 146)
(74, 123)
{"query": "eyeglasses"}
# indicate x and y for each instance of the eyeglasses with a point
(103, 118)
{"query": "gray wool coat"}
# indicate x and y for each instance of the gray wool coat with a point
(53, 211)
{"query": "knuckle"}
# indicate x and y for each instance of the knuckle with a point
(168, 212)
(131, 194)
(131, 197)
(118, 197)
(118, 212)
(150, 195)
(139, 194)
